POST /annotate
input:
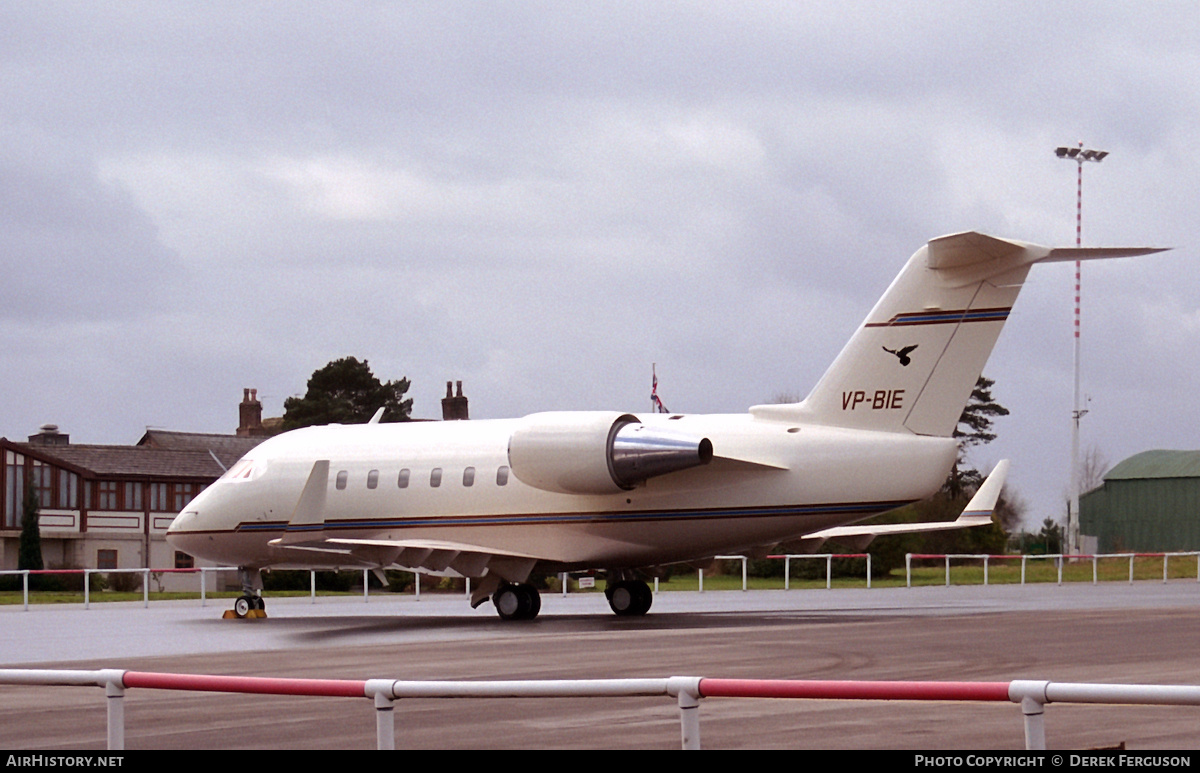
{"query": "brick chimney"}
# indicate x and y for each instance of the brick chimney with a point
(48, 435)
(250, 415)
(454, 406)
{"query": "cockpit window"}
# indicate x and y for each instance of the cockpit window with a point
(245, 469)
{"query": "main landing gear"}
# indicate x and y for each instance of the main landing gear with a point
(517, 602)
(250, 603)
(629, 598)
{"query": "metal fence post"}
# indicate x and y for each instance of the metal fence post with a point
(1035, 724)
(686, 690)
(114, 693)
(385, 723)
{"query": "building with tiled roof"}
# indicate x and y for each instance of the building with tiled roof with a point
(108, 506)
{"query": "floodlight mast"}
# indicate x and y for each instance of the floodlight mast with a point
(1079, 155)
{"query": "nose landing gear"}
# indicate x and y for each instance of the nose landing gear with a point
(250, 604)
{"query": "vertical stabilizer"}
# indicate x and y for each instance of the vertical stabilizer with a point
(911, 365)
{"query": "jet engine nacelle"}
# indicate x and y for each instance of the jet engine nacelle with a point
(597, 452)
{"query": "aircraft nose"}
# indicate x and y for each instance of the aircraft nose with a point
(182, 521)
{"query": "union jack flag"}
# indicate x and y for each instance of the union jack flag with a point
(655, 403)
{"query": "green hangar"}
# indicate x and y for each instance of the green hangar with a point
(1148, 503)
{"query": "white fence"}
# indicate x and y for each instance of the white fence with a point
(688, 691)
(1058, 558)
(984, 558)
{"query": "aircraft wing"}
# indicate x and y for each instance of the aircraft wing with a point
(436, 557)
(978, 512)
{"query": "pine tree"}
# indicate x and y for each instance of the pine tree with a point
(29, 551)
(974, 429)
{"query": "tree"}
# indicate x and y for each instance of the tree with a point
(346, 392)
(977, 417)
(974, 428)
(1051, 536)
(29, 550)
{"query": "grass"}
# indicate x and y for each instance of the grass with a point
(962, 572)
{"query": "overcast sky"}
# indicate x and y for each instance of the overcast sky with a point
(543, 198)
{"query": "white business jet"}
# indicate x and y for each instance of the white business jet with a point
(628, 493)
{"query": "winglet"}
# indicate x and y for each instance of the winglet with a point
(979, 510)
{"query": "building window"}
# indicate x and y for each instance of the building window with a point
(435, 477)
(106, 559)
(184, 561)
(14, 488)
(133, 496)
(402, 481)
(39, 477)
(184, 493)
(373, 479)
(502, 476)
(158, 498)
(68, 490)
(106, 496)
(469, 476)
(343, 477)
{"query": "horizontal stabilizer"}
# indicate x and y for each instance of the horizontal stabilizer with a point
(978, 512)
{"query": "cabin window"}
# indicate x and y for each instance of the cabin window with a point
(502, 476)
(435, 477)
(342, 477)
(402, 481)
(373, 479)
(469, 476)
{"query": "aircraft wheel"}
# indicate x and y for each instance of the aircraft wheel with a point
(535, 600)
(645, 597)
(513, 602)
(630, 598)
(243, 605)
(259, 603)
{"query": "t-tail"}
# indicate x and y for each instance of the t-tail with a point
(911, 365)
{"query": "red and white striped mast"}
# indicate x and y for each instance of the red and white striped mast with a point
(1079, 155)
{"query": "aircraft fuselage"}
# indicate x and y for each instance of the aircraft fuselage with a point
(768, 481)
